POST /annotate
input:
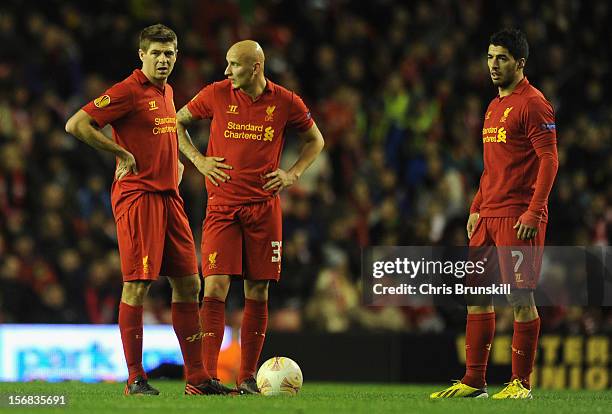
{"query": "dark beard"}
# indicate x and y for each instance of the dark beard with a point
(503, 84)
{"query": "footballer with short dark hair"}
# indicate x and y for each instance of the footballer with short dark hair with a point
(510, 209)
(153, 232)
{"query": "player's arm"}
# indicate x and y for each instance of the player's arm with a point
(539, 120)
(83, 126)
(474, 214)
(210, 167)
(527, 224)
(312, 145)
(181, 170)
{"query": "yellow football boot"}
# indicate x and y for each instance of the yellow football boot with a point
(460, 390)
(514, 389)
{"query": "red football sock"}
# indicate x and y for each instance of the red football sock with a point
(252, 335)
(130, 326)
(524, 345)
(479, 332)
(212, 315)
(186, 323)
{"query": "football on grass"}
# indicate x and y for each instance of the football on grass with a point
(279, 376)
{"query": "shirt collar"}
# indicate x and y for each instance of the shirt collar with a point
(269, 85)
(521, 86)
(140, 76)
(518, 89)
(143, 80)
(267, 89)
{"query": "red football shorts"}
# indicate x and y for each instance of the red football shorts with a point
(243, 240)
(155, 239)
(516, 262)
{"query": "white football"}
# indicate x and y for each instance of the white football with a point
(279, 376)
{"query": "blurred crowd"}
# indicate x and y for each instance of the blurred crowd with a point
(399, 91)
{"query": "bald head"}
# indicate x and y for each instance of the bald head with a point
(245, 66)
(247, 51)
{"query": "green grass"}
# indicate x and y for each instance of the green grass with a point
(314, 398)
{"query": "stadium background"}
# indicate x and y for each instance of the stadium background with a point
(398, 90)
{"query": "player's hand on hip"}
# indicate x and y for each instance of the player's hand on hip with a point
(471, 224)
(126, 164)
(279, 179)
(211, 168)
(525, 231)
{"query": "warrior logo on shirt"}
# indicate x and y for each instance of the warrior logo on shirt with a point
(506, 113)
(153, 105)
(212, 260)
(102, 101)
(270, 113)
(232, 109)
(488, 115)
(145, 265)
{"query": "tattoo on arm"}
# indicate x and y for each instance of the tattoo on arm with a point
(183, 116)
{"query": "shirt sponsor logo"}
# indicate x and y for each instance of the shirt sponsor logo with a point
(501, 135)
(506, 113)
(249, 131)
(164, 125)
(270, 113)
(494, 134)
(269, 134)
(232, 109)
(102, 101)
(551, 126)
(153, 105)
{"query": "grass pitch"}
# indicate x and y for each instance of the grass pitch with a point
(314, 398)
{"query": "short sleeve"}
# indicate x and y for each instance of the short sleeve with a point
(539, 121)
(201, 106)
(299, 115)
(113, 104)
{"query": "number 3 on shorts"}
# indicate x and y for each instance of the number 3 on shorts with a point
(276, 251)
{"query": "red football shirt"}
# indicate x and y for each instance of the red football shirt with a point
(248, 134)
(143, 118)
(514, 127)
